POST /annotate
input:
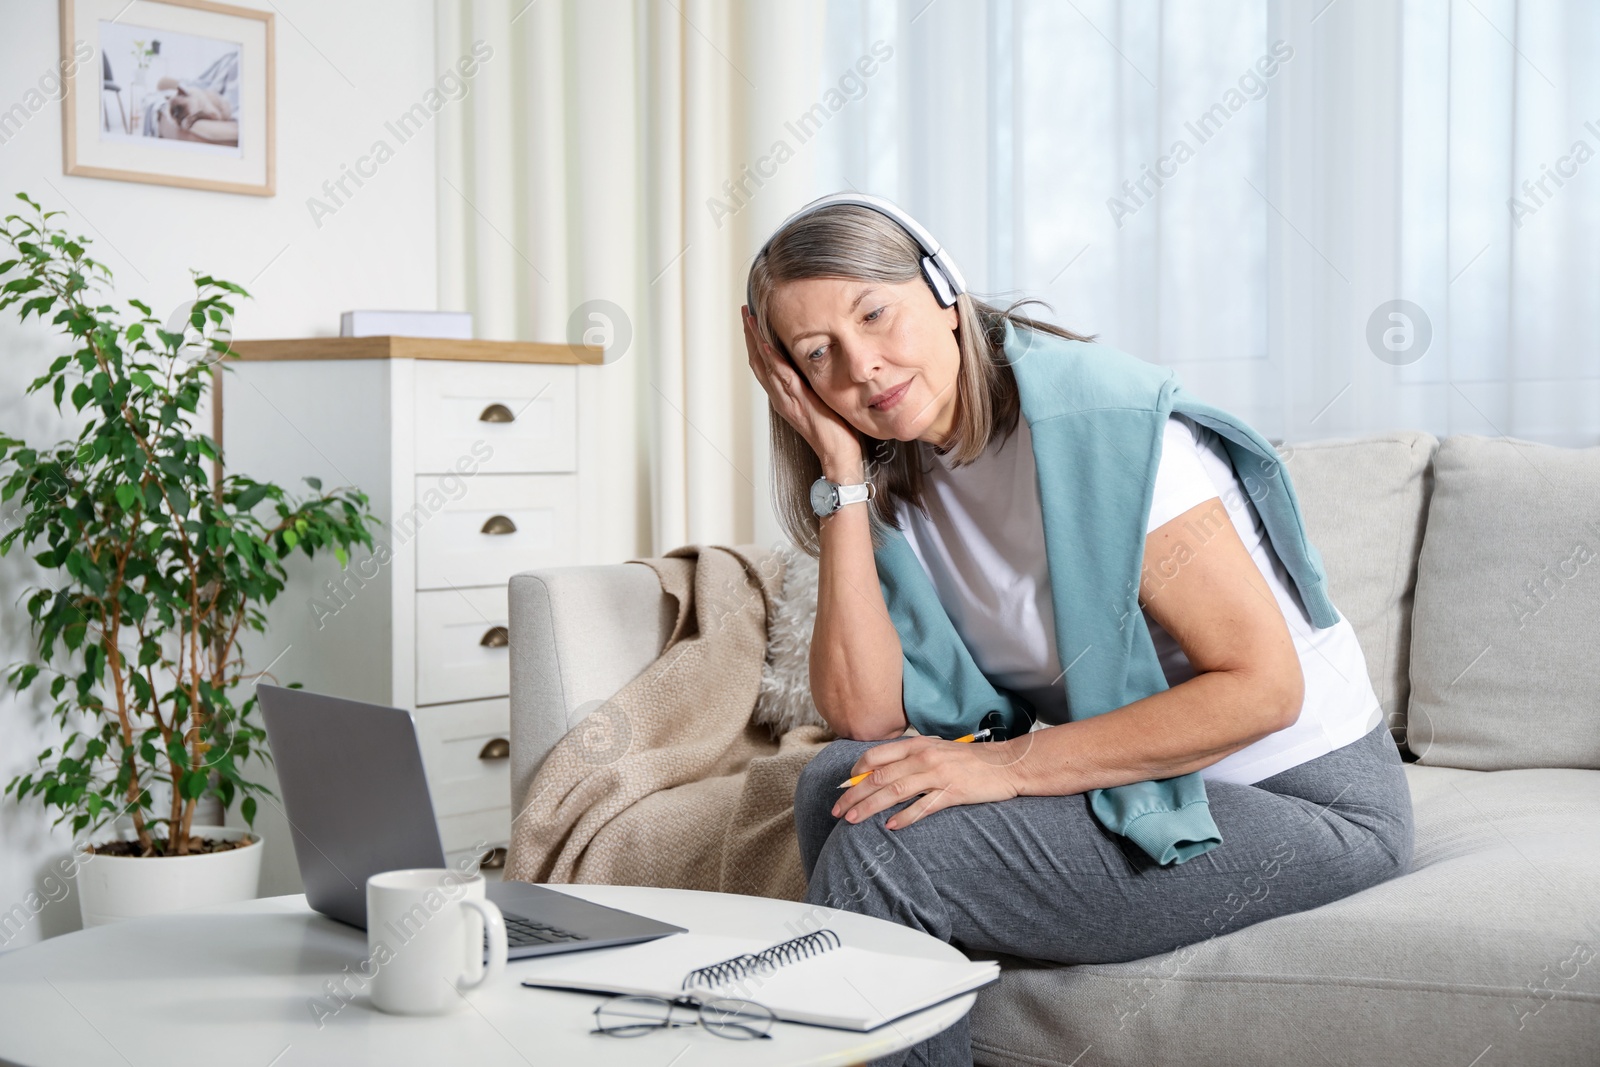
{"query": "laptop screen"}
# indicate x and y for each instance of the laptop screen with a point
(353, 789)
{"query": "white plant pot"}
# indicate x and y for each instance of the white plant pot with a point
(123, 887)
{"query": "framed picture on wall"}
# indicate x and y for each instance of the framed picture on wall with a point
(173, 92)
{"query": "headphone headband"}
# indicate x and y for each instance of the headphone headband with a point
(943, 276)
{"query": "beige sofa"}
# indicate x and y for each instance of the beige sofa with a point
(1470, 569)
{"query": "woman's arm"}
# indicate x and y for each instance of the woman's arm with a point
(856, 667)
(1211, 597)
(856, 672)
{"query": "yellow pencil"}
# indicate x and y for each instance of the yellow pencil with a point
(848, 782)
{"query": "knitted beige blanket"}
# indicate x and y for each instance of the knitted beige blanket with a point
(669, 783)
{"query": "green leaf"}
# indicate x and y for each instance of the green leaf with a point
(127, 495)
(315, 483)
(38, 305)
(194, 784)
(251, 497)
(247, 808)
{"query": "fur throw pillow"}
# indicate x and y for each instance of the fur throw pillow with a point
(784, 701)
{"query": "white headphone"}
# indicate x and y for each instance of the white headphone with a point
(937, 266)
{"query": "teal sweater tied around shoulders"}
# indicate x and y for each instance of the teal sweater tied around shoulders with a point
(1096, 416)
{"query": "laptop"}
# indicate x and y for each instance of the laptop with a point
(351, 780)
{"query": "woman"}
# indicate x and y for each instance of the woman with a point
(996, 847)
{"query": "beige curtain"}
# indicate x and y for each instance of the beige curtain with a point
(586, 173)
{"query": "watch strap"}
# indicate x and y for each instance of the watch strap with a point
(854, 494)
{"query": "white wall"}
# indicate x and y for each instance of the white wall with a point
(343, 70)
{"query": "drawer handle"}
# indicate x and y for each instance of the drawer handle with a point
(493, 860)
(496, 637)
(495, 748)
(498, 525)
(497, 413)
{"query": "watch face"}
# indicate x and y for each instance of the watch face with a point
(822, 496)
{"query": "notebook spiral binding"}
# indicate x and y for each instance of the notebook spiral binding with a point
(763, 962)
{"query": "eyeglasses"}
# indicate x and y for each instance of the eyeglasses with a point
(631, 1016)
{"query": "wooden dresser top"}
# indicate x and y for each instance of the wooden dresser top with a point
(389, 347)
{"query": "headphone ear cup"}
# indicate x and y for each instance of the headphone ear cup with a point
(941, 285)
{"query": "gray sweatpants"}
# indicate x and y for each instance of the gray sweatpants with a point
(1038, 877)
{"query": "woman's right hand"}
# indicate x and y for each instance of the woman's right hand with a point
(828, 434)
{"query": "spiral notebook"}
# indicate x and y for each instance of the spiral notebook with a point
(814, 978)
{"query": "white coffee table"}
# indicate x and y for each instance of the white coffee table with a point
(235, 984)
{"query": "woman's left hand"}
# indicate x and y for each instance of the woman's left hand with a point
(946, 772)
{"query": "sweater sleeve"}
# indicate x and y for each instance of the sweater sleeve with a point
(944, 692)
(1097, 513)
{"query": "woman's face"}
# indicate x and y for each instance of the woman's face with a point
(855, 340)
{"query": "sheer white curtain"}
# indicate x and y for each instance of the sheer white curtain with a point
(1240, 189)
(1500, 219)
(597, 180)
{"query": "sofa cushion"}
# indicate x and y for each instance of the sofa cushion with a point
(1489, 940)
(1503, 665)
(1364, 500)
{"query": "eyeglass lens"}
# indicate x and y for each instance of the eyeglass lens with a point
(631, 1016)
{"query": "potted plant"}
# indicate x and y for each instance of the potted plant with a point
(160, 563)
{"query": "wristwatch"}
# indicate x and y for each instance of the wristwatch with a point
(828, 497)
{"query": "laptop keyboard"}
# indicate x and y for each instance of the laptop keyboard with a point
(527, 932)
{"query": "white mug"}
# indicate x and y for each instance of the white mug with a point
(425, 931)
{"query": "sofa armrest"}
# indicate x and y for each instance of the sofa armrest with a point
(578, 634)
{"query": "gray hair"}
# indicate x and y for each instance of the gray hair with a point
(849, 241)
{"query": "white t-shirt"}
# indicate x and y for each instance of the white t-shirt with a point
(982, 545)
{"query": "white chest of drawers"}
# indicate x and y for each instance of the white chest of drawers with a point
(471, 470)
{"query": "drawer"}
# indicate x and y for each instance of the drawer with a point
(462, 653)
(503, 418)
(482, 530)
(486, 828)
(453, 739)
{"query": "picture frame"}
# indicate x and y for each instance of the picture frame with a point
(169, 92)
